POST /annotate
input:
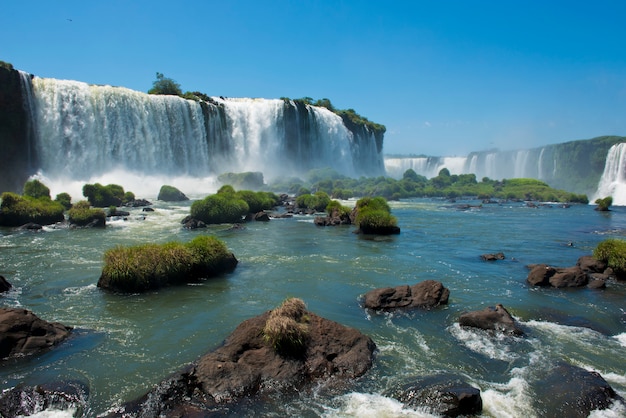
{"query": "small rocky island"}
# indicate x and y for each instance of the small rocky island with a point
(286, 349)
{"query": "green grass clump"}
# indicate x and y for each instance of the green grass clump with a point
(151, 266)
(219, 208)
(613, 252)
(82, 214)
(287, 329)
(374, 216)
(604, 204)
(16, 210)
(317, 201)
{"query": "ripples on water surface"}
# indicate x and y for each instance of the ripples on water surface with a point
(124, 344)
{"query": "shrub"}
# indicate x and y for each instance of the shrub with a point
(373, 215)
(17, 210)
(150, 266)
(219, 208)
(35, 188)
(103, 196)
(604, 204)
(317, 201)
(613, 252)
(64, 199)
(82, 214)
(341, 210)
(165, 85)
(286, 328)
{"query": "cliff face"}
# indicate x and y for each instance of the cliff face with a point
(16, 151)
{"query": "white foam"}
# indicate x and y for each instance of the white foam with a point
(621, 338)
(511, 399)
(52, 413)
(365, 405)
(495, 346)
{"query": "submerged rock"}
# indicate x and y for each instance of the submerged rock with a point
(246, 366)
(23, 333)
(492, 257)
(492, 318)
(427, 294)
(444, 395)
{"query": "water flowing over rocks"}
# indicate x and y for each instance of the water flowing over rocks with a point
(23, 333)
(427, 294)
(491, 318)
(31, 400)
(246, 366)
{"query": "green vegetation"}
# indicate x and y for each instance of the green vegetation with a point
(373, 215)
(36, 189)
(230, 206)
(412, 185)
(317, 201)
(82, 214)
(151, 266)
(17, 210)
(335, 207)
(171, 194)
(165, 85)
(6, 65)
(65, 199)
(286, 329)
(104, 196)
(613, 252)
(604, 204)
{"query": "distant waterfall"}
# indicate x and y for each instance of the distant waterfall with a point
(495, 165)
(85, 130)
(613, 180)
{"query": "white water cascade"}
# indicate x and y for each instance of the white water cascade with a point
(85, 132)
(613, 180)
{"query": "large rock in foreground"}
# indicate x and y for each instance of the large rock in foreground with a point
(427, 294)
(571, 391)
(496, 319)
(247, 365)
(23, 333)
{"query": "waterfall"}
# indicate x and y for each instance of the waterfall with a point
(613, 180)
(84, 131)
(29, 107)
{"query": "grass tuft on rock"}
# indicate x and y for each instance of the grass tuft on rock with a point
(151, 266)
(613, 252)
(287, 328)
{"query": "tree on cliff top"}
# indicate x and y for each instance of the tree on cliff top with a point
(165, 85)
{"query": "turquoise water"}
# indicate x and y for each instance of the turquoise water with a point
(124, 344)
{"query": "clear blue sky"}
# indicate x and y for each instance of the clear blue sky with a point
(444, 77)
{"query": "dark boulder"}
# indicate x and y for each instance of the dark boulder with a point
(442, 395)
(569, 277)
(378, 230)
(262, 217)
(23, 333)
(570, 391)
(540, 274)
(492, 257)
(192, 223)
(590, 264)
(490, 318)
(30, 400)
(246, 366)
(5, 286)
(31, 226)
(427, 294)
(138, 203)
(333, 219)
